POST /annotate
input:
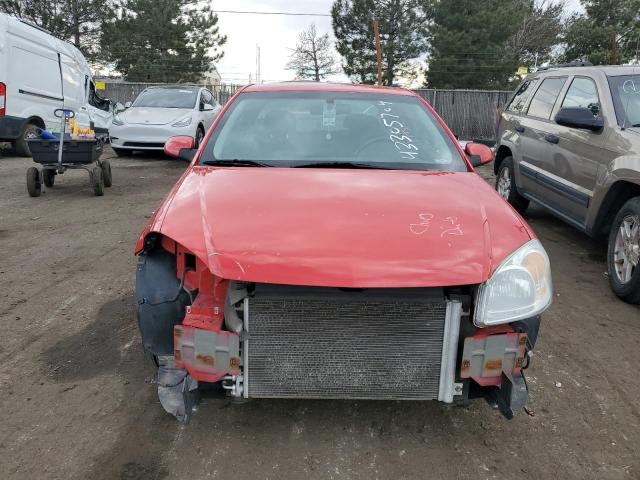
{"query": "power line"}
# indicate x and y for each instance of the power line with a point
(293, 14)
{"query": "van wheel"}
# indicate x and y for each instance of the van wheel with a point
(20, 144)
(623, 255)
(34, 187)
(506, 186)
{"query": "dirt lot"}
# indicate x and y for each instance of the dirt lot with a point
(78, 399)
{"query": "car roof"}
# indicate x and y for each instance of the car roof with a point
(609, 70)
(326, 87)
(174, 87)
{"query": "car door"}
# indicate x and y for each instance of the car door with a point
(99, 108)
(511, 130)
(573, 161)
(538, 131)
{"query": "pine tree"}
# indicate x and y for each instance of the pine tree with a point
(404, 28)
(163, 40)
(481, 44)
(590, 36)
(77, 21)
(313, 56)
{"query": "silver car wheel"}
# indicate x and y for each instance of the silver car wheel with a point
(504, 183)
(626, 252)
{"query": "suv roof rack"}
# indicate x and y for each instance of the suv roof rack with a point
(575, 63)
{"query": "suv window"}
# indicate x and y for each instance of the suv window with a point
(583, 93)
(522, 95)
(545, 98)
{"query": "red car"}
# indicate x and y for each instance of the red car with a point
(334, 241)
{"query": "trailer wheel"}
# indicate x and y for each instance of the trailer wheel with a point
(106, 172)
(97, 181)
(49, 177)
(33, 182)
(20, 144)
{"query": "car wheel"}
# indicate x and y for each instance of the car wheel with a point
(105, 165)
(34, 187)
(49, 177)
(97, 181)
(119, 152)
(506, 186)
(623, 256)
(199, 137)
(20, 144)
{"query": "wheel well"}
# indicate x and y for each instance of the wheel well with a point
(37, 121)
(619, 193)
(501, 154)
(200, 125)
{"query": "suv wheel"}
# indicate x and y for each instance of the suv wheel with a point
(506, 186)
(624, 252)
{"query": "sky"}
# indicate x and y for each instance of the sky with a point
(275, 34)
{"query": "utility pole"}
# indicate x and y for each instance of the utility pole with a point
(376, 34)
(614, 49)
(258, 64)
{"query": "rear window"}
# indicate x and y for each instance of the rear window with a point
(167, 98)
(287, 129)
(545, 98)
(522, 95)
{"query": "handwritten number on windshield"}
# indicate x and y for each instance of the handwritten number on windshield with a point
(404, 144)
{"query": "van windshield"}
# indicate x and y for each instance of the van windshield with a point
(316, 129)
(625, 90)
(167, 98)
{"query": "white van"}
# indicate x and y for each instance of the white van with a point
(38, 74)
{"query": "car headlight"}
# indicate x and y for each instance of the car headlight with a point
(520, 287)
(117, 121)
(185, 122)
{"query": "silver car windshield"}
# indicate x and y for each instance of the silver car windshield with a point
(625, 90)
(297, 129)
(167, 98)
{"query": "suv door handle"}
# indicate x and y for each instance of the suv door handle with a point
(551, 138)
(519, 128)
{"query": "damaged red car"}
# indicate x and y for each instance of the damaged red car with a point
(334, 242)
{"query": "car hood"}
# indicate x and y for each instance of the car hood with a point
(342, 228)
(154, 116)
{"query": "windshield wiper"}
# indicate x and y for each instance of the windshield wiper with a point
(236, 163)
(340, 165)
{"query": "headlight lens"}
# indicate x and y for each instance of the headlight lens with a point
(520, 287)
(185, 122)
(117, 121)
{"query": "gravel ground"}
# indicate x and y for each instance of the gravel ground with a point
(78, 399)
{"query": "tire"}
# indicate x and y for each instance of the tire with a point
(105, 165)
(623, 252)
(20, 144)
(49, 177)
(97, 181)
(199, 136)
(506, 186)
(34, 187)
(119, 152)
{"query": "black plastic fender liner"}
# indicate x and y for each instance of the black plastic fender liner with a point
(530, 326)
(161, 303)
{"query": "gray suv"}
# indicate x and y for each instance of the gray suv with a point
(569, 140)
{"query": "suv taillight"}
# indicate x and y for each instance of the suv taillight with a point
(3, 99)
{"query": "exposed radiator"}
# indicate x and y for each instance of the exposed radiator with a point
(328, 343)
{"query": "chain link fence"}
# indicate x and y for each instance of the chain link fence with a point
(470, 114)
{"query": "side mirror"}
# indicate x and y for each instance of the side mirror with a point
(207, 107)
(180, 147)
(579, 117)
(118, 107)
(127, 105)
(478, 154)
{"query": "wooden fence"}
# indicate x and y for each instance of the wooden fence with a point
(471, 114)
